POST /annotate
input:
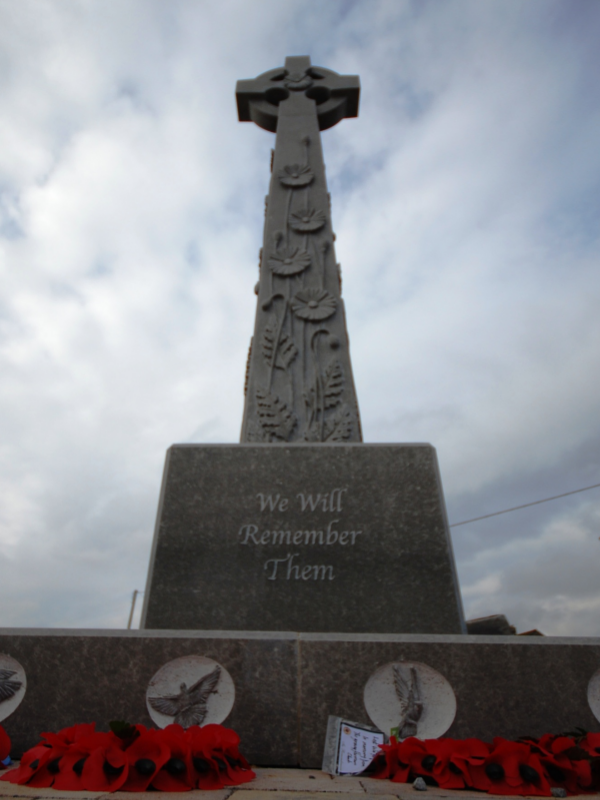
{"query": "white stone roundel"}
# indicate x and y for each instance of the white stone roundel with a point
(13, 685)
(192, 690)
(593, 694)
(386, 698)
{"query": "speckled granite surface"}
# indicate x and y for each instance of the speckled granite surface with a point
(287, 683)
(303, 538)
(99, 676)
(507, 686)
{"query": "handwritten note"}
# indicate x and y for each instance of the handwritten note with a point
(357, 748)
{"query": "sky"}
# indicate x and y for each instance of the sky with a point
(466, 203)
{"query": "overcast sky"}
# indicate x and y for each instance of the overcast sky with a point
(466, 203)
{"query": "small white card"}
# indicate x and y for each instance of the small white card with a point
(358, 747)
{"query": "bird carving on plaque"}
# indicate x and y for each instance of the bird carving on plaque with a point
(189, 706)
(411, 703)
(8, 687)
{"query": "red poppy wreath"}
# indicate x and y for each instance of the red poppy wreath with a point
(526, 767)
(4, 748)
(133, 758)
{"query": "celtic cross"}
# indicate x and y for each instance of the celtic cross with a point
(299, 384)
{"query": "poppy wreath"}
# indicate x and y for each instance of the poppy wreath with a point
(4, 748)
(526, 767)
(133, 758)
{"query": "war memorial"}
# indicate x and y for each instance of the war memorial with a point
(302, 573)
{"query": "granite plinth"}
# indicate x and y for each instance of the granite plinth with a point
(504, 686)
(99, 676)
(287, 684)
(306, 537)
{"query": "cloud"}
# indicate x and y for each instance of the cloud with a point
(465, 200)
(548, 581)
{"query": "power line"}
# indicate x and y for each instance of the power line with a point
(525, 505)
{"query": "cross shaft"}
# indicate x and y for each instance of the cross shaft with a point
(299, 380)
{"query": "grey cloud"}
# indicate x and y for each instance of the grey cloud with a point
(464, 200)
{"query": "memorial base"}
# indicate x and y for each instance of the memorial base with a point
(287, 684)
(304, 537)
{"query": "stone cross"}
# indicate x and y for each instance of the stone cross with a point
(299, 384)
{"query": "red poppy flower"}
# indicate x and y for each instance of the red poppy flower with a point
(75, 770)
(233, 767)
(556, 755)
(145, 757)
(70, 735)
(549, 743)
(105, 770)
(454, 760)
(33, 762)
(401, 771)
(176, 774)
(414, 753)
(444, 771)
(387, 764)
(574, 776)
(4, 744)
(205, 770)
(382, 764)
(511, 768)
(44, 765)
(591, 744)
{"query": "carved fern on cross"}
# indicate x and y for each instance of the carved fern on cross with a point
(338, 428)
(286, 350)
(333, 384)
(274, 415)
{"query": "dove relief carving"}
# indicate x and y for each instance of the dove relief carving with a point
(410, 698)
(8, 686)
(408, 692)
(189, 707)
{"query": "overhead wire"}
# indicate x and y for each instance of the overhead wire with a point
(525, 505)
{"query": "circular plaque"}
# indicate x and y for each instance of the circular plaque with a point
(411, 696)
(192, 690)
(13, 684)
(593, 694)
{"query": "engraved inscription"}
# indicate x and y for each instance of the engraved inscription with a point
(290, 566)
(330, 501)
(249, 534)
(272, 503)
(291, 571)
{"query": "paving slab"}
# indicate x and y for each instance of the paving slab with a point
(405, 791)
(15, 790)
(11, 790)
(217, 794)
(295, 780)
(249, 794)
(275, 784)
